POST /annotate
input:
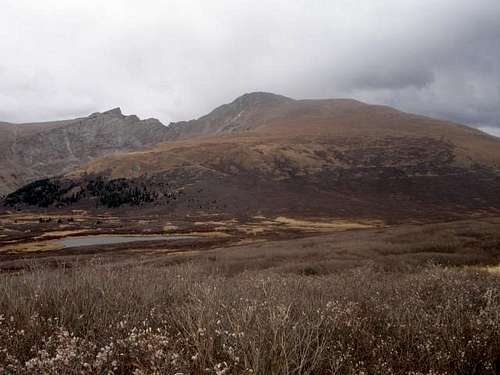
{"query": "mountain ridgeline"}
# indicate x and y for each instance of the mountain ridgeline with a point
(33, 151)
(264, 154)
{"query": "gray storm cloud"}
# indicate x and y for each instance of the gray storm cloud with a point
(178, 59)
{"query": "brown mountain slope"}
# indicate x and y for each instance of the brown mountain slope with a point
(311, 136)
(333, 157)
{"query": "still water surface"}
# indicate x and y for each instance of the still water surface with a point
(108, 240)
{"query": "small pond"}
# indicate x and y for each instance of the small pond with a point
(109, 240)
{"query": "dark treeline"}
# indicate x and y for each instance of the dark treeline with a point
(107, 193)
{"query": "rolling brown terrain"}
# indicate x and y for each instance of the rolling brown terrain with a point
(267, 154)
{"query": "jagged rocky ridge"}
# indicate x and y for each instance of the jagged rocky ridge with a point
(32, 151)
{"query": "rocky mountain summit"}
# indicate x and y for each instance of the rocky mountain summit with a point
(244, 113)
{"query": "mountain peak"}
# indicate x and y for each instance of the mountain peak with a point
(115, 112)
(260, 97)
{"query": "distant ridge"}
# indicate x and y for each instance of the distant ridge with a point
(266, 153)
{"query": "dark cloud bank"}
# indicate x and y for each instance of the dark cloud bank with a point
(178, 59)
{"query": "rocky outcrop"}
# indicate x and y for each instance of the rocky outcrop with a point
(32, 151)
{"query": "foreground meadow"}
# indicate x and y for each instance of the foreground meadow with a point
(193, 318)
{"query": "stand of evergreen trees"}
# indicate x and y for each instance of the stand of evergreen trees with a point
(108, 193)
(41, 193)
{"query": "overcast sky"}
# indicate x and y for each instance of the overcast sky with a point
(177, 59)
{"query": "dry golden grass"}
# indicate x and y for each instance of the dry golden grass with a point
(262, 225)
(207, 234)
(62, 233)
(492, 269)
(324, 225)
(170, 228)
(30, 247)
(220, 223)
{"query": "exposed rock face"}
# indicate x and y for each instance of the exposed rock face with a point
(32, 151)
(244, 113)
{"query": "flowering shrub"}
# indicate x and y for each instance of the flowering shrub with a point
(182, 320)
